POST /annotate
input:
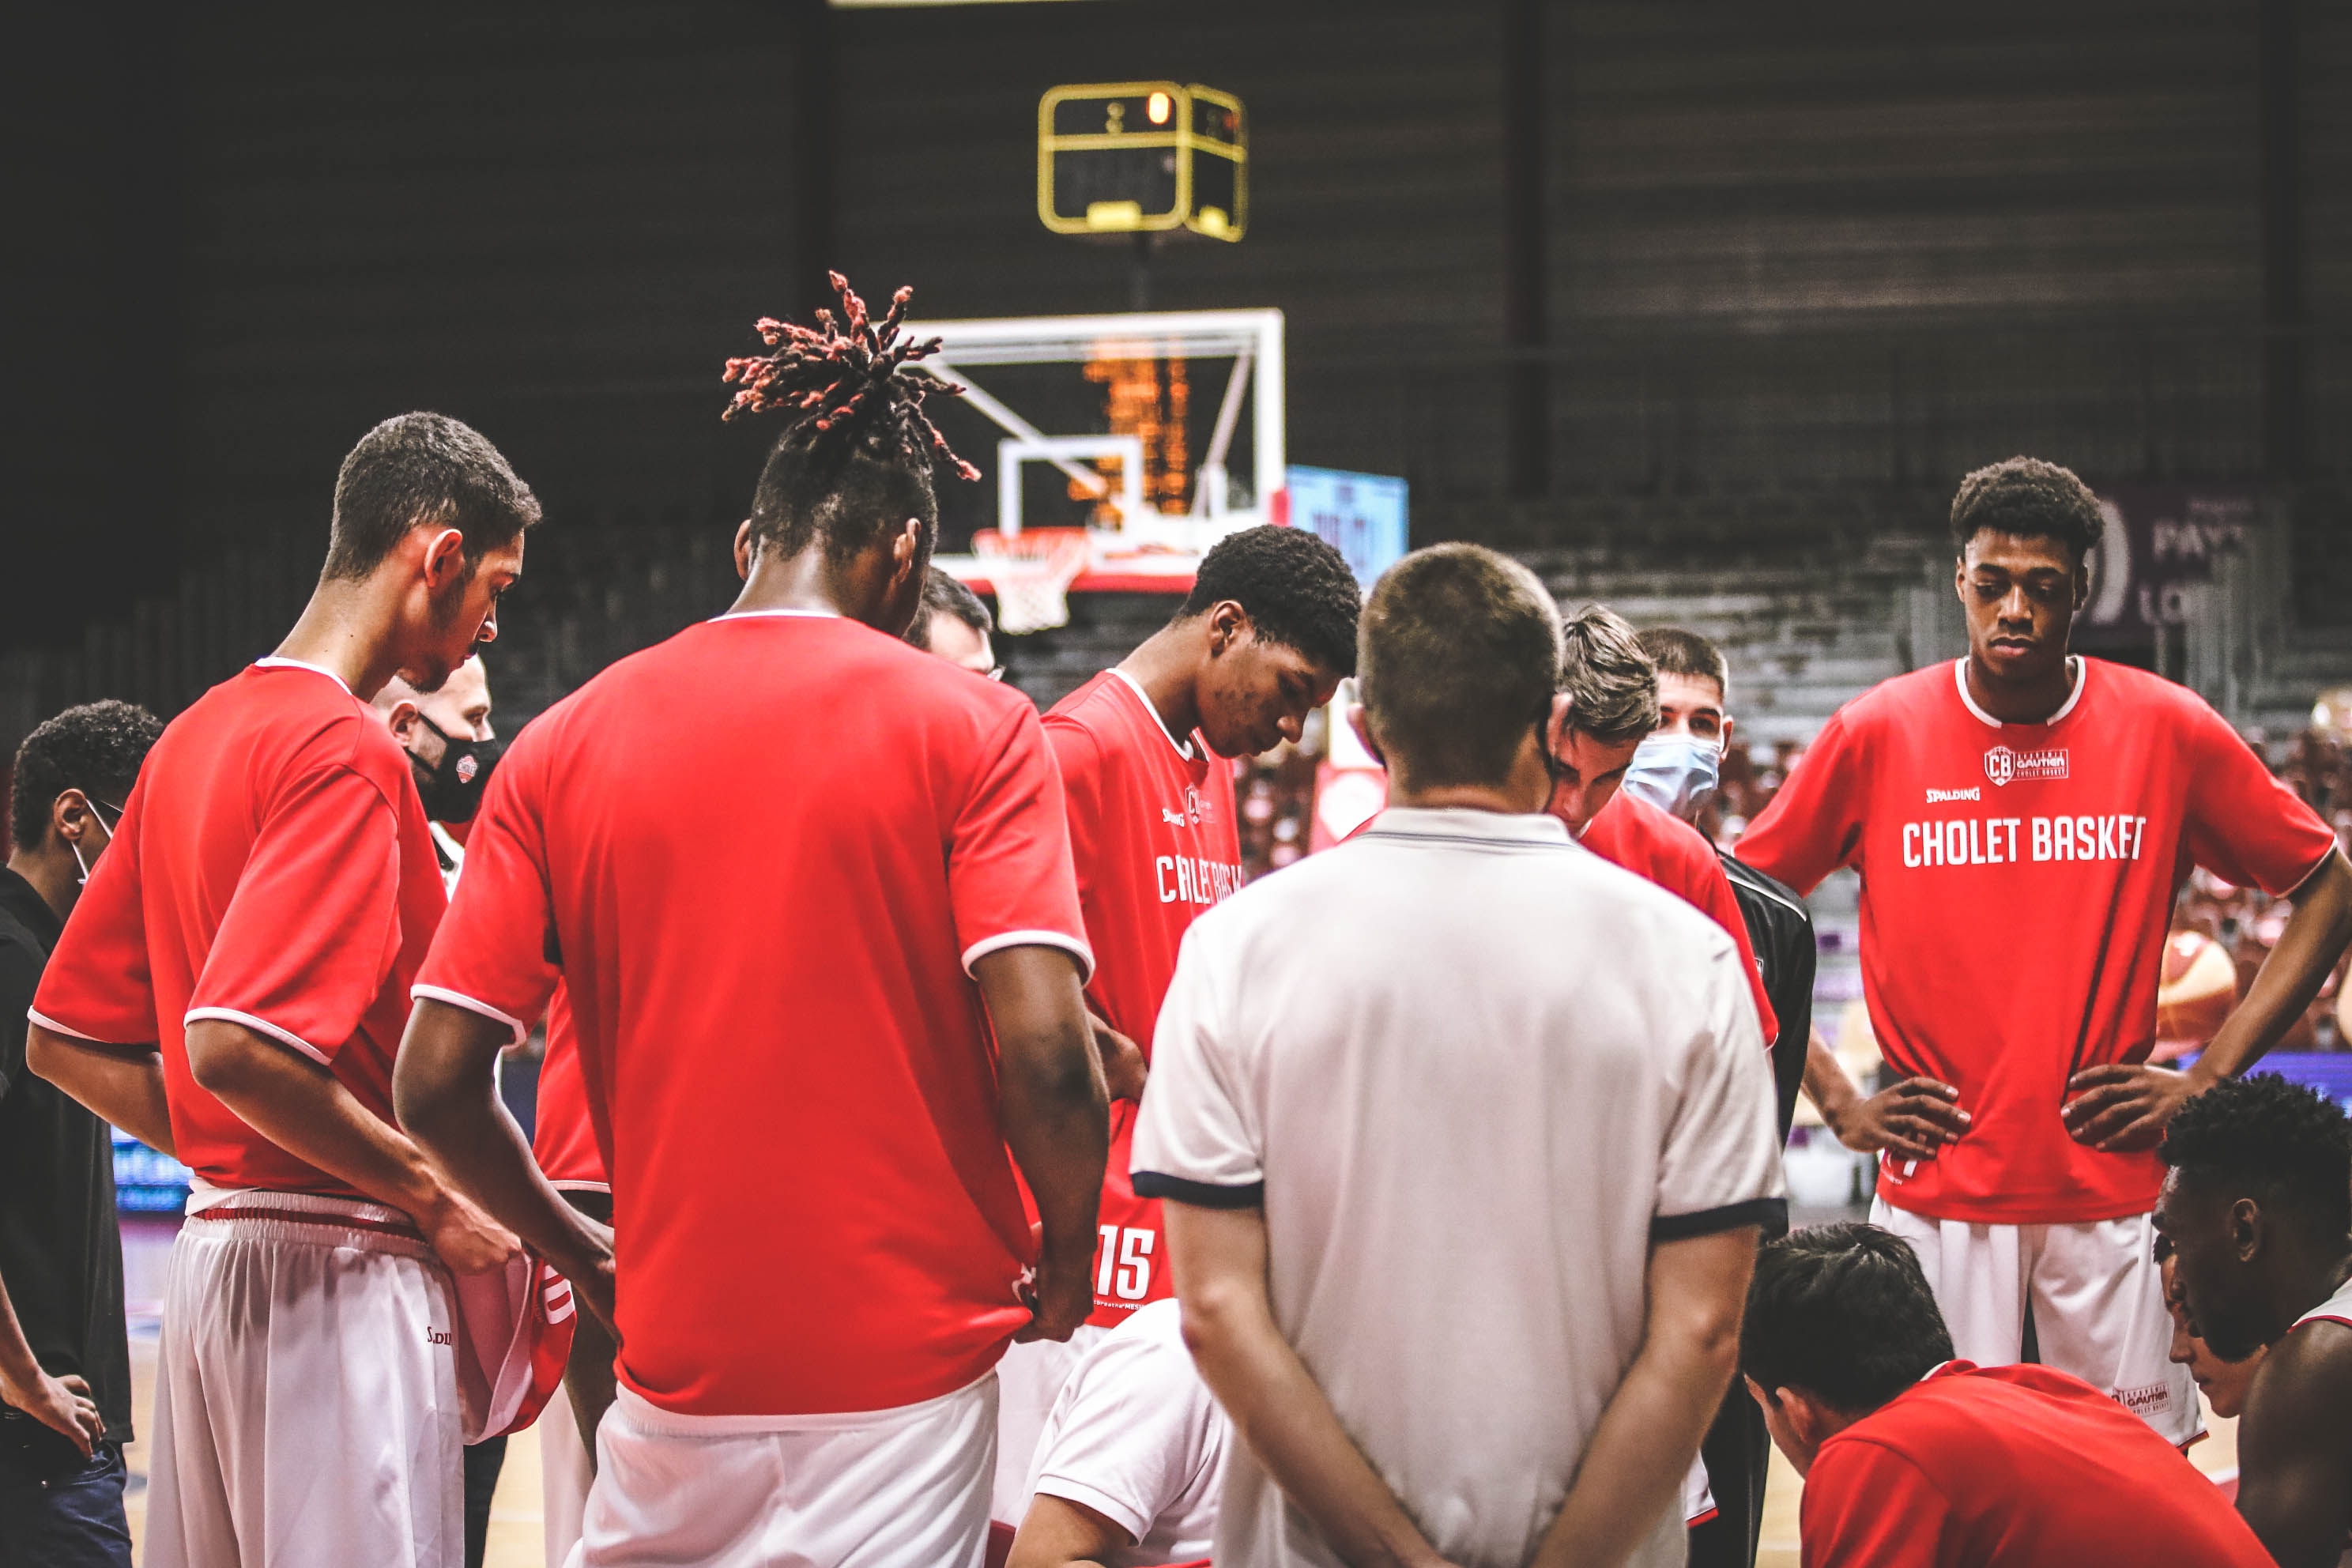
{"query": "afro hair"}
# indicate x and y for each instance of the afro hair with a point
(96, 748)
(2027, 497)
(2269, 1138)
(1297, 589)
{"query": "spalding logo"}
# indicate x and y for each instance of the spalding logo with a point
(467, 766)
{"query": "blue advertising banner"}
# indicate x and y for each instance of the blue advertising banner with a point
(1360, 515)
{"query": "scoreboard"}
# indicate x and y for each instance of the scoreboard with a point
(1142, 157)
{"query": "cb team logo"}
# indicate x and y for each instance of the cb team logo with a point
(2003, 765)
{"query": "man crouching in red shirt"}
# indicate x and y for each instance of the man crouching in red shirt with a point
(1912, 1459)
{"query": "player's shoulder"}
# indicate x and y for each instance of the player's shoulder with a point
(281, 722)
(1669, 837)
(1900, 700)
(1093, 706)
(2146, 692)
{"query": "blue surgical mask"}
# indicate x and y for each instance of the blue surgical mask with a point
(1677, 774)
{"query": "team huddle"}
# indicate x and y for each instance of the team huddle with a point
(943, 1157)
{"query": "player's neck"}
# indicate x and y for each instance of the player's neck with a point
(51, 876)
(2029, 702)
(1167, 667)
(2305, 1280)
(347, 629)
(802, 582)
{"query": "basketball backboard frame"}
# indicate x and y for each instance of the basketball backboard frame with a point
(1149, 551)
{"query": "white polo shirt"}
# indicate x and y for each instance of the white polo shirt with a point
(1470, 1070)
(1136, 1437)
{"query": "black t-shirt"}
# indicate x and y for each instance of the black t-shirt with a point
(60, 1244)
(1780, 930)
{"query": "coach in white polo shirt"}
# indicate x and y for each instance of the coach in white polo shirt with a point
(1435, 1114)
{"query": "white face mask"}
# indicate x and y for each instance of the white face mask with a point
(83, 881)
(1677, 774)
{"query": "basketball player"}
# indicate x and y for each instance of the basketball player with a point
(1464, 1138)
(2256, 1208)
(781, 1025)
(233, 984)
(452, 748)
(1676, 768)
(1612, 705)
(1265, 636)
(1916, 1458)
(955, 624)
(2022, 820)
(1131, 1457)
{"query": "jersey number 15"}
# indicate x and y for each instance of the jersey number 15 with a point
(1123, 1263)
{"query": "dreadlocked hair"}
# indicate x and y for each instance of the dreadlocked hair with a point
(855, 458)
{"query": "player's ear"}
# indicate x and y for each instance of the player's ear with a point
(1228, 625)
(402, 721)
(2246, 1229)
(1556, 728)
(443, 560)
(1362, 725)
(743, 548)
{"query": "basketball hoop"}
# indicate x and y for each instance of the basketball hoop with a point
(1032, 572)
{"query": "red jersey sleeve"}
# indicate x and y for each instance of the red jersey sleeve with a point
(1010, 880)
(1078, 758)
(313, 928)
(1869, 1506)
(1814, 824)
(496, 951)
(96, 986)
(2244, 824)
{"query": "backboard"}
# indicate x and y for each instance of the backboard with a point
(1158, 433)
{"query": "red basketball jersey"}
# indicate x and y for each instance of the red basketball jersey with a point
(1154, 839)
(2016, 882)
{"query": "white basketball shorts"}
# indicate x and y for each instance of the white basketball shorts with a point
(878, 1489)
(305, 1399)
(2097, 1299)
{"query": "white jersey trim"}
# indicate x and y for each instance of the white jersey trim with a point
(1063, 939)
(274, 662)
(777, 615)
(652, 1417)
(53, 1027)
(285, 1037)
(471, 1005)
(2074, 667)
(2336, 1308)
(1182, 749)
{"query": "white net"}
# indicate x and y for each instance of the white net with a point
(1032, 575)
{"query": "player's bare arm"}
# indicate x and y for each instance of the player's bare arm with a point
(122, 1085)
(2122, 1106)
(1056, 1116)
(1912, 1119)
(299, 1106)
(2295, 1451)
(1275, 1404)
(63, 1405)
(1633, 1468)
(445, 1091)
(1058, 1534)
